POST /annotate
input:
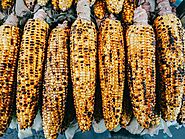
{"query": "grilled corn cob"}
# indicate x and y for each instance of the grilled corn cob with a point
(181, 116)
(56, 81)
(91, 1)
(65, 4)
(7, 4)
(42, 2)
(111, 64)
(9, 45)
(83, 64)
(114, 6)
(30, 68)
(141, 69)
(30, 4)
(170, 60)
(99, 9)
(128, 11)
(55, 4)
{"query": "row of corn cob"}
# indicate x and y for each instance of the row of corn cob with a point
(83, 65)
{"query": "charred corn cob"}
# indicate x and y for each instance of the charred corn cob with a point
(42, 2)
(9, 45)
(7, 4)
(141, 69)
(55, 4)
(55, 81)
(170, 60)
(30, 68)
(65, 4)
(83, 64)
(91, 1)
(114, 6)
(99, 9)
(111, 64)
(181, 116)
(128, 11)
(30, 3)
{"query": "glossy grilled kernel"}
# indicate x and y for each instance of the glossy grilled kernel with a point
(170, 58)
(91, 1)
(9, 45)
(30, 68)
(111, 66)
(128, 11)
(65, 4)
(99, 9)
(55, 82)
(83, 41)
(42, 2)
(114, 6)
(30, 4)
(142, 73)
(7, 4)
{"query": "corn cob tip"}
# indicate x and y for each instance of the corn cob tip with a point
(83, 9)
(164, 7)
(40, 14)
(12, 20)
(140, 16)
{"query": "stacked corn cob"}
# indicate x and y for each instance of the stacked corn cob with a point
(99, 9)
(141, 69)
(7, 4)
(170, 60)
(42, 2)
(62, 4)
(111, 64)
(128, 11)
(30, 3)
(30, 68)
(181, 116)
(83, 64)
(56, 81)
(9, 45)
(91, 1)
(114, 6)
